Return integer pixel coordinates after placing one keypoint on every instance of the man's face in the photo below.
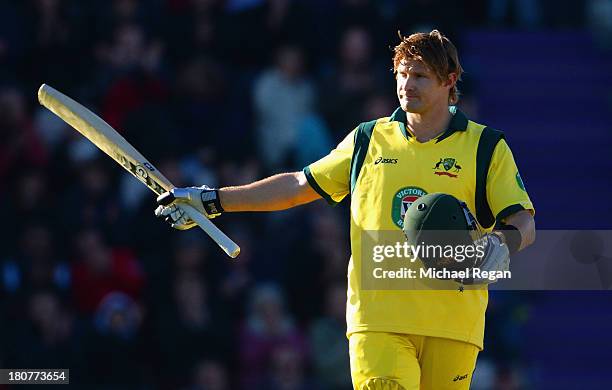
(418, 88)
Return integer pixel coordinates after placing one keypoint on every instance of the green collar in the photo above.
(459, 122)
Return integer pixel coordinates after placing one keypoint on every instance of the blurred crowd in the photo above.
(215, 92)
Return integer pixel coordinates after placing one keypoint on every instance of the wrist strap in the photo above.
(211, 202)
(513, 237)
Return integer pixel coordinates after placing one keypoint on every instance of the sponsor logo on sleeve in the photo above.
(519, 181)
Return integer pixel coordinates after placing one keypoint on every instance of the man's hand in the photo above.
(203, 199)
(496, 257)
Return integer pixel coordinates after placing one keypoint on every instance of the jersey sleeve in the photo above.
(329, 176)
(506, 193)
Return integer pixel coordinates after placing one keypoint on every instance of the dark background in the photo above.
(226, 92)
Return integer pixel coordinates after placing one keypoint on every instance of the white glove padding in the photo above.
(204, 199)
(496, 257)
(175, 216)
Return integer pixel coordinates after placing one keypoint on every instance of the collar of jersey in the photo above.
(459, 122)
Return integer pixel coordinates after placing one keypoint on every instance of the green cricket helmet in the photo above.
(436, 221)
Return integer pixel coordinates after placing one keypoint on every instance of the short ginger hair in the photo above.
(436, 52)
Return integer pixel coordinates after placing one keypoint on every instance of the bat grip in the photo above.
(226, 243)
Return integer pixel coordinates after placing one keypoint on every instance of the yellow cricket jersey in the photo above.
(385, 169)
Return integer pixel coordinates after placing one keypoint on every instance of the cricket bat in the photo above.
(113, 144)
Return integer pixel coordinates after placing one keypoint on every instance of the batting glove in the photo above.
(496, 257)
(204, 199)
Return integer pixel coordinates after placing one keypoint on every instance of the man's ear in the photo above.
(451, 80)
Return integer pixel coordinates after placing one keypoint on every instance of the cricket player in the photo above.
(403, 339)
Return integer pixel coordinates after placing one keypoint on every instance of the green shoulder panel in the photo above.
(363, 135)
(315, 186)
(486, 146)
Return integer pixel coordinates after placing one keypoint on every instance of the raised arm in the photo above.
(327, 176)
(278, 192)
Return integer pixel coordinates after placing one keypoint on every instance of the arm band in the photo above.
(211, 202)
(513, 237)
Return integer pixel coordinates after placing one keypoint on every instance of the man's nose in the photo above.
(407, 84)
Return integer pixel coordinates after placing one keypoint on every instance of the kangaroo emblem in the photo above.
(444, 165)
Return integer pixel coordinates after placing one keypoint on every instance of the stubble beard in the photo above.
(413, 107)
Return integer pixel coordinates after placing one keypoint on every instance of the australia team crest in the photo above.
(447, 167)
(402, 200)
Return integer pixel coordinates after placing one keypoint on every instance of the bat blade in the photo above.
(104, 137)
(114, 145)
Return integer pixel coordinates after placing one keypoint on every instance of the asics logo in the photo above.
(381, 160)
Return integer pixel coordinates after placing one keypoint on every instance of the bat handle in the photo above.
(226, 243)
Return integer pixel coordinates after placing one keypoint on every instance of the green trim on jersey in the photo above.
(515, 208)
(458, 122)
(399, 116)
(315, 186)
(486, 145)
(363, 135)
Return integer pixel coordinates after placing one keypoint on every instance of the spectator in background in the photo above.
(52, 36)
(267, 327)
(316, 262)
(117, 353)
(129, 66)
(424, 15)
(270, 23)
(209, 375)
(526, 13)
(283, 98)
(94, 201)
(357, 12)
(189, 257)
(187, 331)
(35, 265)
(599, 16)
(330, 241)
(378, 105)
(126, 10)
(46, 337)
(237, 278)
(13, 40)
(194, 26)
(50, 129)
(100, 269)
(286, 371)
(30, 198)
(200, 106)
(328, 341)
(113, 13)
(20, 145)
(314, 139)
(287, 20)
(346, 89)
(118, 315)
